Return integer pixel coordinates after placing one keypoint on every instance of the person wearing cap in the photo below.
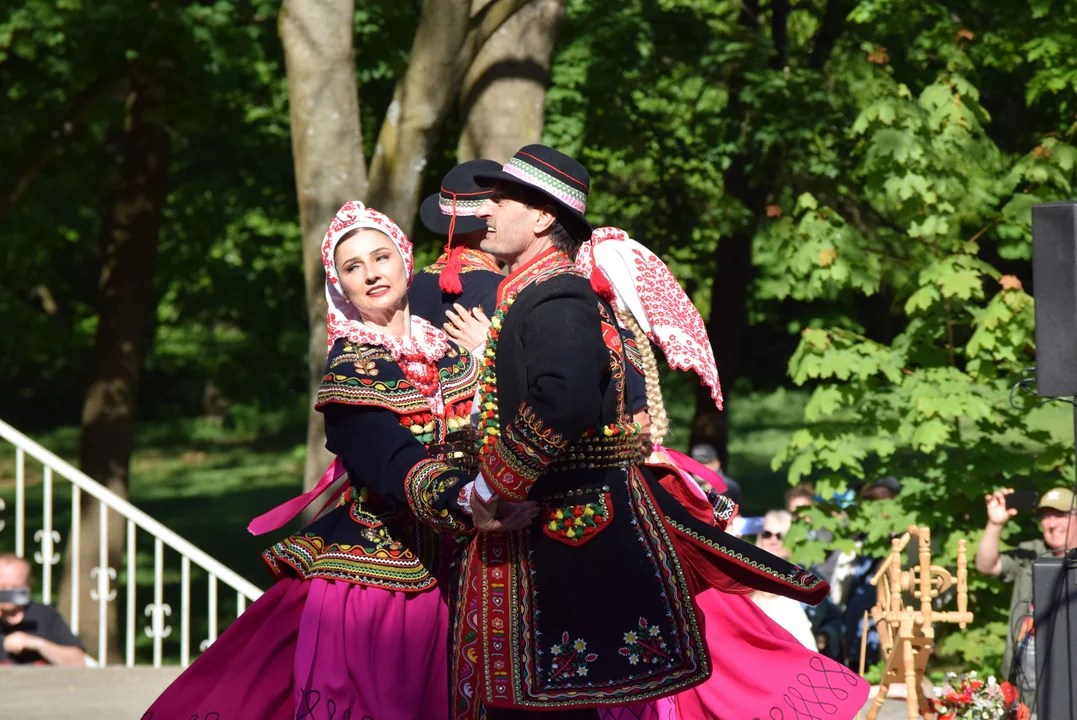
(463, 275)
(591, 607)
(1057, 517)
(31, 633)
(707, 454)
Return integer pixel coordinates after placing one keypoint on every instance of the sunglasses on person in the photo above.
(767, 535)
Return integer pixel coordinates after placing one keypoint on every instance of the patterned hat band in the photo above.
(463, 208)
(531, 175)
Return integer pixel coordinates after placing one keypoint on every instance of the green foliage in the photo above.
(939, 210)
(230, 313)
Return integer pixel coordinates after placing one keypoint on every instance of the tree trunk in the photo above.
(448, 39)
(327, 148)
(126, 303)
(728, 322)
(503, 95)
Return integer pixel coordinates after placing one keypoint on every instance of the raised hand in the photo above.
(467, 328)
(997, 512)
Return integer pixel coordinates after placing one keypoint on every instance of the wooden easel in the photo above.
(907, 633)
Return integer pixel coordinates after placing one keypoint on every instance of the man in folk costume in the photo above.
(464, 275)
(591, 607)
(760, 670)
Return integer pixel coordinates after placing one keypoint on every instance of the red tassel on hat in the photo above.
(450, 274)
(602, 285)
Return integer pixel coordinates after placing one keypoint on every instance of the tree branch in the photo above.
(829, 30)
(43, 151)
(446, 43)
(483, 25)
(779, 33)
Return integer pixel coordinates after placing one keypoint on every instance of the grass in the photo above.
(206, 483)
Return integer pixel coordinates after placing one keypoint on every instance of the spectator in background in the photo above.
(851, 581)
(33, 634)
(797, 497)
(707, 454)
(1058, 522)
(786, 612)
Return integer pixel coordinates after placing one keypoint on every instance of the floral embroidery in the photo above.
(570, 659)
(645, 645)
(576, 524)
(672, 321)
(365, 367)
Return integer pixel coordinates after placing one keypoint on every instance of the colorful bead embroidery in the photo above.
(645, 645)
(569, 659)
(579, 523)
(503, 467)
(424, 484)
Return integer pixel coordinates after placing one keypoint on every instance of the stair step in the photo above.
(53, 693)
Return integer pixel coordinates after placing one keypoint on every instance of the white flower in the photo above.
(633, 659)
(630, 637)
(582, 671)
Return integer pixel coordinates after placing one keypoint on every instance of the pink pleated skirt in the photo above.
(321, 650)
(762, 671)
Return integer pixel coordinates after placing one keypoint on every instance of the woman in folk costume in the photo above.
(760, 670)
(356, 624)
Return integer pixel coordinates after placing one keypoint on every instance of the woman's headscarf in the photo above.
(625, 272)
(343, 318)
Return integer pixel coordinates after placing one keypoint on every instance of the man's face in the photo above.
(13, 576)
(511, 226)
(1059, 529)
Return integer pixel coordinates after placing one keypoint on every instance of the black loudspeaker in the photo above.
(1054, 597)
(1054, 273)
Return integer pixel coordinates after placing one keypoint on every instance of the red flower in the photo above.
(958, 698)
(947, 716)
(974, 685)
(1022, 712)
(1009, 693)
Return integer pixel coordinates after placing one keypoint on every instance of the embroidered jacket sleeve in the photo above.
(385, 457)
(565, 360)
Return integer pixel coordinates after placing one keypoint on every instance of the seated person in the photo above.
(33, 634)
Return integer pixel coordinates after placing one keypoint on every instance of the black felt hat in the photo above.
(557, 176)
(458, 199)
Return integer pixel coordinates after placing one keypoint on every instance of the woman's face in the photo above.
(372, 275)
(771, 539)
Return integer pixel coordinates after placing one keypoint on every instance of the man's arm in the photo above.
(54, 653)
(988, 554)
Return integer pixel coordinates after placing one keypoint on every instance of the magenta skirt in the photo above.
(318, 650)
(762, 671)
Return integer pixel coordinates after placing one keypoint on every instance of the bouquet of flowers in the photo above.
(967, 697)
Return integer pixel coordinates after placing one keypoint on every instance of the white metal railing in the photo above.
(104, 578)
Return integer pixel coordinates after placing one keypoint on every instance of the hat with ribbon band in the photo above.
(451, 211)
(557, 176)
